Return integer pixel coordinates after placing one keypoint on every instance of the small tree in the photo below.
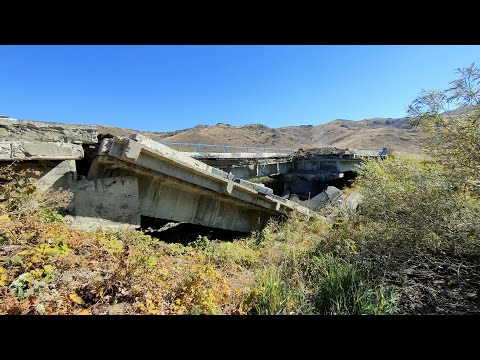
(450, 120)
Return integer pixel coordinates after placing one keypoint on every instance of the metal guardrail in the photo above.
(212, 148)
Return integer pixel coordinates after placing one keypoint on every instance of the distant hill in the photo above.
(373, 133)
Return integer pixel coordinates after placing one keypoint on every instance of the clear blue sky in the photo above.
(164, 88)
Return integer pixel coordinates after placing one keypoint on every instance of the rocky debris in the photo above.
(323, 151)
(332, 192)
(317, 201)
(32, 131)
(331, 195)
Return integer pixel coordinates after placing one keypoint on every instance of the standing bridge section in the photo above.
(317, 164)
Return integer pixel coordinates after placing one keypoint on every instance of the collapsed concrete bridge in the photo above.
(176, 187)
(301, 172)
(118, 180)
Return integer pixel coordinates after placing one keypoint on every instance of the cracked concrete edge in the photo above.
(28, 130)
(37, 150)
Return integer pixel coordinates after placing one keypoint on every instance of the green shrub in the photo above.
(227, 253)
(412, 205)
(274, 295)
(340, 288)
(50, 215)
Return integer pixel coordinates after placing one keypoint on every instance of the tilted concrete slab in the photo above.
(26, 130)
(24, 150)
(176, 187)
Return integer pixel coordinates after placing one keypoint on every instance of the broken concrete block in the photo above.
(333, 192)
(113, 199)
(63, 176)
(317, 201)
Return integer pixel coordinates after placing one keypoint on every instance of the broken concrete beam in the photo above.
(175, 187)
(115, 200)
(24, 150)
(31, 131)
(317, 201)
(130, 149)
(177, 156)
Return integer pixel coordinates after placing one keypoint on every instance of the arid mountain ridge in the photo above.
(373, 134)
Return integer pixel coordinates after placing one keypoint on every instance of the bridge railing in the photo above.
(212, 148)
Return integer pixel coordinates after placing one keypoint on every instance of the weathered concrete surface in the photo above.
(31, 131)
(109, 202)
(260, 188)
(166, 197)
(130, 151)
(25, 150)
(173, 186)
(331, 193)
(63, 175)
(316, 202)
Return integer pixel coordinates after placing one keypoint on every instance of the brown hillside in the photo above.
(364, 134)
